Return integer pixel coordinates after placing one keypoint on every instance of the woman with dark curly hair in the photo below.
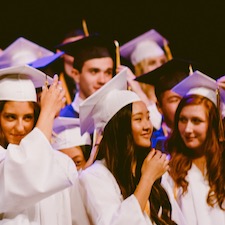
(196, 178)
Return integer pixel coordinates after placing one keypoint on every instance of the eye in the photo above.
(163, 61)
(28, 117)
(137, 118)
(196, 120)
(78, 163)
(183, 120)
(94, 71)
(109, 72)
(9, 117)
(152, 62)
(174, 99)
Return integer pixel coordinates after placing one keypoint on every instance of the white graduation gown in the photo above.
(34, 181)
(193, 204)
(103, 200)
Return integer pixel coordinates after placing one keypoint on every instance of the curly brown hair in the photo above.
(213, 150)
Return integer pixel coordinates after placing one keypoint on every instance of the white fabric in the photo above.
(103, 200)
(22, 51)
(193, 204)
(110, 104)
(17, 88)
(206, 92)
(155, 116)
(146, 49)
(70, 137)
(76, 102)
(34, 183)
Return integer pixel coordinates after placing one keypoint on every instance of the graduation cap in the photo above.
(22, 51)
(100, 107)
(166, 76)
(90, 47)
(50, 65)
(18, 83)
(199, 84)
(149, 44)
(68, 133)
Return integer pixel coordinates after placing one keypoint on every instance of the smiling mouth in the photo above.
(18, 135)
(147, 135)
(189, 138)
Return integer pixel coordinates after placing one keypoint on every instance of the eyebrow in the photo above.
(141, 113)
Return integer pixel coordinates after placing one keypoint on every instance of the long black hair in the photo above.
(120, 152)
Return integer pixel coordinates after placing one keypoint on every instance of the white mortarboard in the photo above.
(22, 51)
(199, 84)
(18, 83)
(68, 133)
(147, 45)
(100, 107)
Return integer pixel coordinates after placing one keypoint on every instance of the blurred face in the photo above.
(76, 154)
(168, 106)
(95, 73)
(193, 126)
(141, 125)
(154, 62)
(17, 120)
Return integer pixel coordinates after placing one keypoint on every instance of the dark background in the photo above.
(195, 29)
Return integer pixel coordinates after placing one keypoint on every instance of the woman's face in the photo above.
(141, 125)
(154, 62)
(17, 120)
(193, 126)
(76, 154)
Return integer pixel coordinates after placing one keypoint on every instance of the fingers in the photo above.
(221, 82)
(151, 154)
(161, 158)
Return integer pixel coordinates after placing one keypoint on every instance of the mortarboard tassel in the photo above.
(190, 70)
(117, 53)
(221, 129)
(84, 24)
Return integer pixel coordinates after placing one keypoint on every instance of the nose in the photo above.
(102, 78)
(148, 125)
(19, 125)
(189, 127)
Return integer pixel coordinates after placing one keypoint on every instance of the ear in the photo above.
(159, 107)
(76, 75)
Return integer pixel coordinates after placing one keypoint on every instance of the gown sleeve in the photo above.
(104, 202)
(32, 171)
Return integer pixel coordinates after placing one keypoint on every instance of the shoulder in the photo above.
(97, 173)
(97, 169)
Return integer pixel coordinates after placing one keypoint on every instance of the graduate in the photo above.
(34, 178)
(67, 138)
(164, 79)
(146, 53)
(93, 66)
(22, 51)
(196, 178)
(122, 186)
